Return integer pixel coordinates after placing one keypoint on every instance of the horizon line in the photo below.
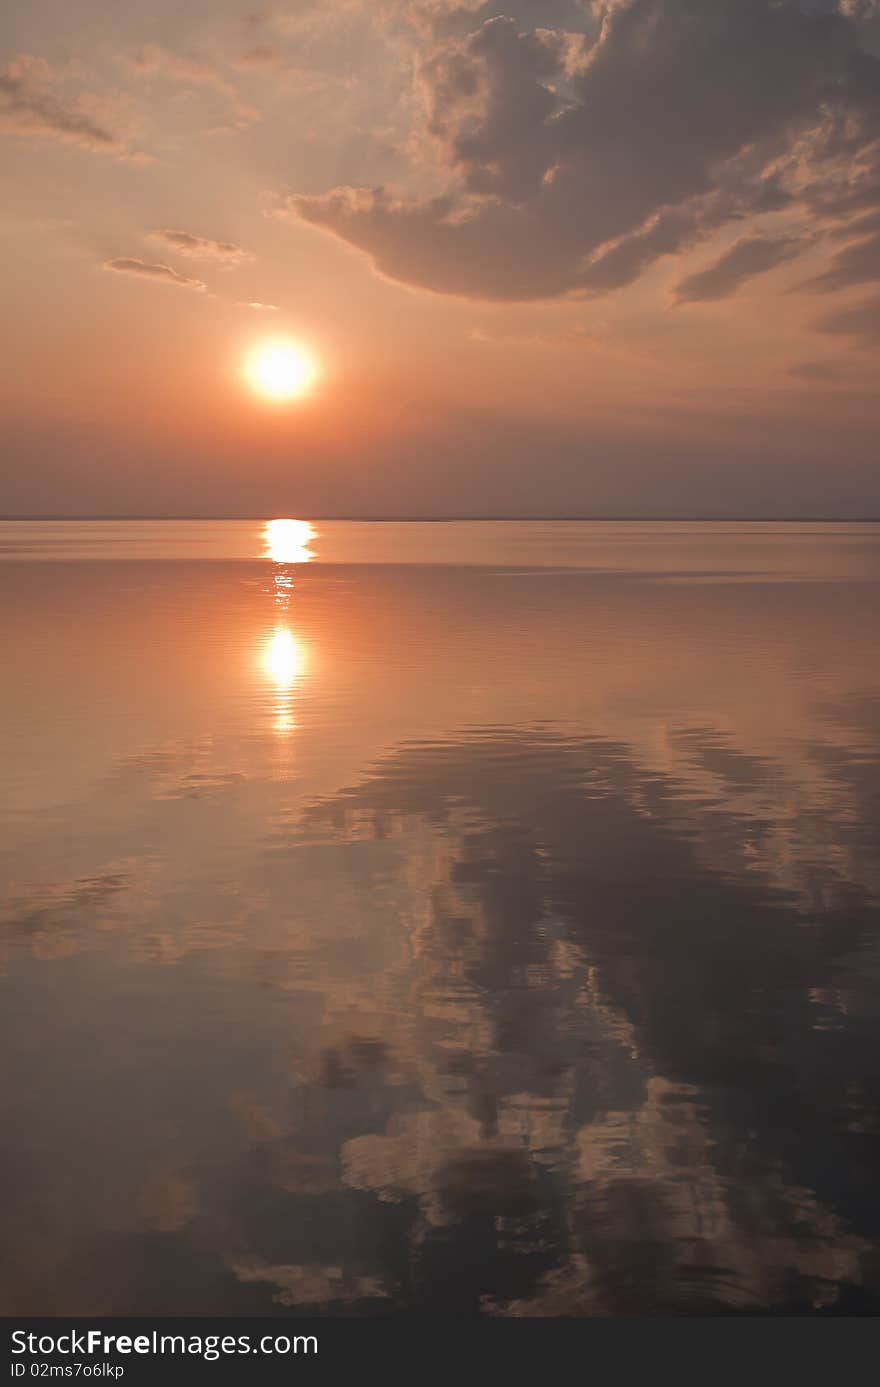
(472, 519)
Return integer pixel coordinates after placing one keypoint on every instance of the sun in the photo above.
(280, 369)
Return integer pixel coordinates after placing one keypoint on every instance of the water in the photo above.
(460, 917)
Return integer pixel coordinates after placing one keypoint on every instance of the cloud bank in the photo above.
(570, 161)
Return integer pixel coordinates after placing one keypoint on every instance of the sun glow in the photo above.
(280, 370)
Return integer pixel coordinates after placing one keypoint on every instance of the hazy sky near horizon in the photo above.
(574, 257)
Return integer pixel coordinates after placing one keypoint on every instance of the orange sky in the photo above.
(557, 257)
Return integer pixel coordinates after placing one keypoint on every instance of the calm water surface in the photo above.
(453, 917)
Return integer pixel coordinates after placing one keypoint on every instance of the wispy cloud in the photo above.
(860, 321)
(32, 104)
(193, 71)
(261, 55)
(747, 257)
(201, 247)
(162, 274)
(858, 263)
(814, 372)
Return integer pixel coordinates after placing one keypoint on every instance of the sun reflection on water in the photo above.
(283, 658)
(283, 661)
(285, 543)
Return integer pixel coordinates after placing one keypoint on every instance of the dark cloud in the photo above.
(571, 161)
(677, 229)
(30, 105)
(201, 247)
(163, 273)
(860, 320)
(860, 226)
(488, 1181)
(628, 258)
(747, 257)
(812, 371)
(859, 263)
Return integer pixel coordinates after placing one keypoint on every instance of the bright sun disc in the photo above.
(280, 370)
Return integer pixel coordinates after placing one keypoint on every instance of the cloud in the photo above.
(443, 17)
(859, 226)
(163, 274)
(812, 371)
(260, 55)
(193, 71)
(201, 247)
(31, 105)
(864, 10)
(569, 161)
(677, 229)
(312, 1284)
(860, 320)
(747, 257)
(260, 307)
(857, 264)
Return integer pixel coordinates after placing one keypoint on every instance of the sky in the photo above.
(548, 257)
